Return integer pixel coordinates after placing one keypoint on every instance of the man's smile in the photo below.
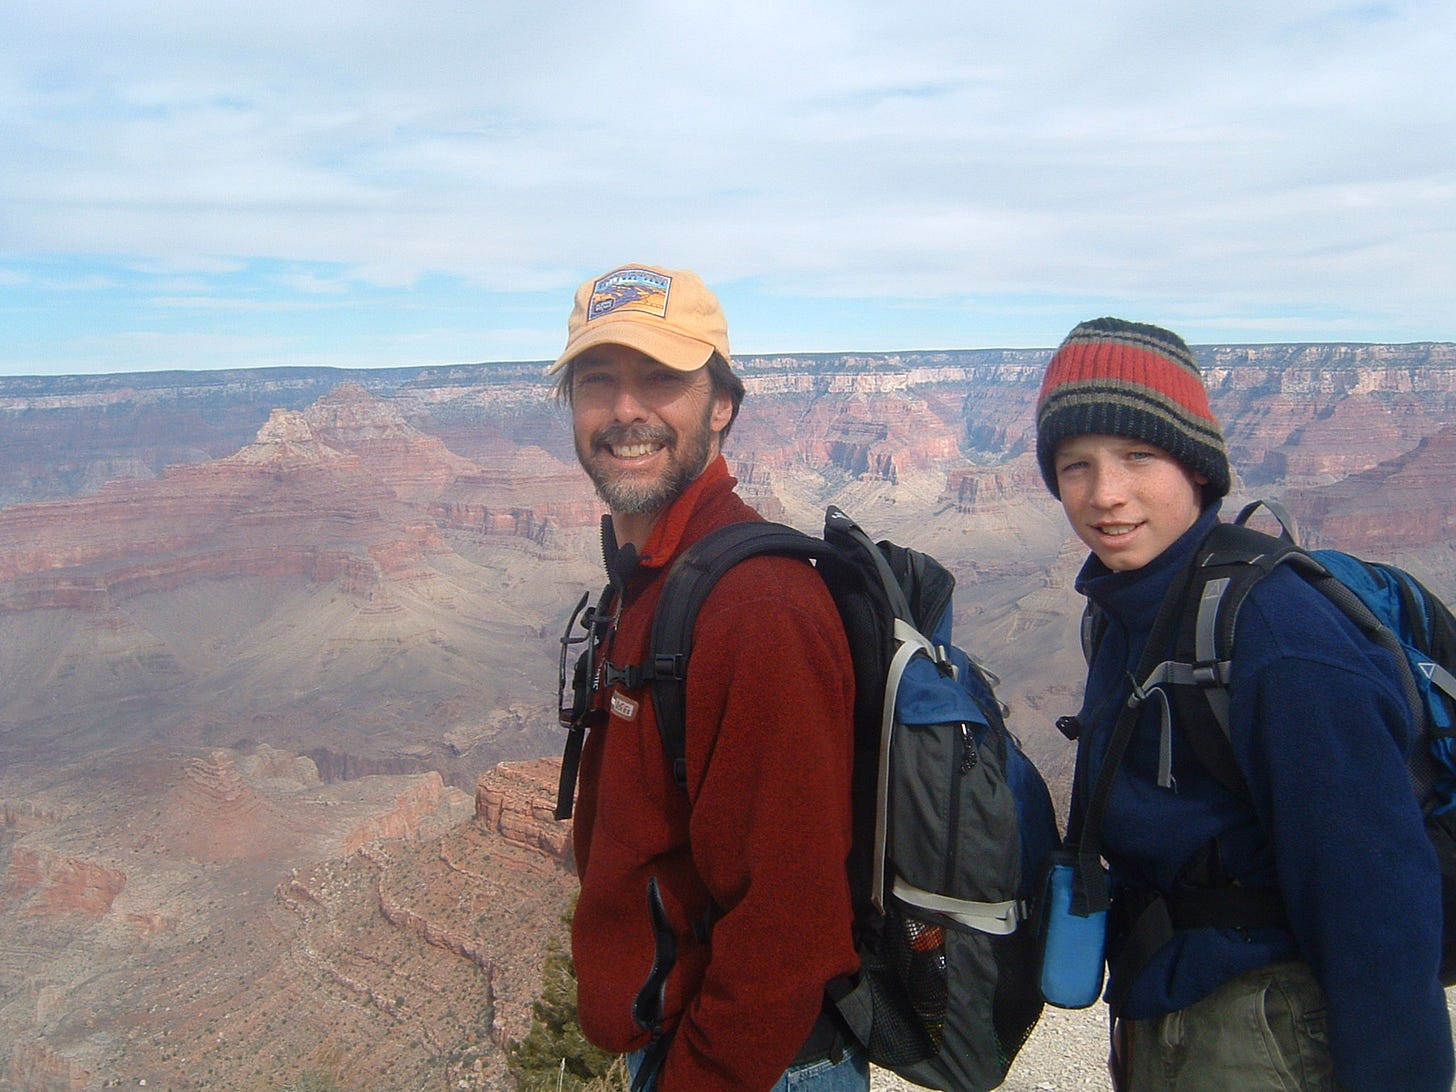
(633, 450)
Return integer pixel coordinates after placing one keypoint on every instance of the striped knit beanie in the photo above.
(1111, 377)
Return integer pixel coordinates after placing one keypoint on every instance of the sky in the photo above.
(368, 184)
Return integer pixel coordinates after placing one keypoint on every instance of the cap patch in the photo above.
(630, 290)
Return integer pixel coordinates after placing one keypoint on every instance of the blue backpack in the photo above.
(1392, 607)
(951, 820)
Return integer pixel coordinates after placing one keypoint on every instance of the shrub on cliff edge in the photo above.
(554, 1053)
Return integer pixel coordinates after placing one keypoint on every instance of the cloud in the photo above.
(1227, 158)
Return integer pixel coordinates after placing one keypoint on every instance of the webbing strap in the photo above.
(1205, 634)
(570, 765)
(1165, 742)
(1212, 678)
(1152, 929)
(911, 643)
(997, 918)
(1288, 526)
(1208, 671)
(1177, 673)
(1440, 678)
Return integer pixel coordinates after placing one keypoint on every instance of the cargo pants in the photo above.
(1264, 1031)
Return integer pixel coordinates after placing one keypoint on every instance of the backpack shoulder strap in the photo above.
(1093, 626)
(1232, 560)
(1228, 564)
(1090, 890)
(692, 576)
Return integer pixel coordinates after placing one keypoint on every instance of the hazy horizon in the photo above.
(158, 373)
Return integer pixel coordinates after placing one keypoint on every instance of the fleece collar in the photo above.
(665, 541)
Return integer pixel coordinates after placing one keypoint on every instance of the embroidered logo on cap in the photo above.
(630, 290)
(624, 707)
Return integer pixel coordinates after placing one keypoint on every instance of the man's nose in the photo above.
(629, 402)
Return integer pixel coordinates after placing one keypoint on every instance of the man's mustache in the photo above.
(617, 435)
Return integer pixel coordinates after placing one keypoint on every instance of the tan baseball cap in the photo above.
(669, 314)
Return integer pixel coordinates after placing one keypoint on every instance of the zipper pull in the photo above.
(970, 758)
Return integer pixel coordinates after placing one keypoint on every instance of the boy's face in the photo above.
(1126, 499)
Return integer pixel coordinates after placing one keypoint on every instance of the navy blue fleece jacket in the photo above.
(1320, 730)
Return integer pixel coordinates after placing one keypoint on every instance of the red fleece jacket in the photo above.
(758, 843)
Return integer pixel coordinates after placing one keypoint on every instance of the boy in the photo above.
(1343, 990)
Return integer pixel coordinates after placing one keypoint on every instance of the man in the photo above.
(752, 854)
(1341, 988)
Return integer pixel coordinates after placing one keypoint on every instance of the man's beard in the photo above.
(687, 457)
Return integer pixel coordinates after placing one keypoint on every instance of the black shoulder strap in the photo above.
(1090, 893)
(1229, 562)
(1094, 625)
(1235, 558)
(1232, 559)
(692, 576)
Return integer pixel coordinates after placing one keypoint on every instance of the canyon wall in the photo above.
(282, 647)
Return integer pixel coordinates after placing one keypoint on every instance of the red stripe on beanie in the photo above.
(1090, 362)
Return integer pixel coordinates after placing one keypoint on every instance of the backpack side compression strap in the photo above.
(692, 576)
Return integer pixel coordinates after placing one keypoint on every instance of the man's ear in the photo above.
(722, 413)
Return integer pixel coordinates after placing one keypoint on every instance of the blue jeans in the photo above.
(850, 1074)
